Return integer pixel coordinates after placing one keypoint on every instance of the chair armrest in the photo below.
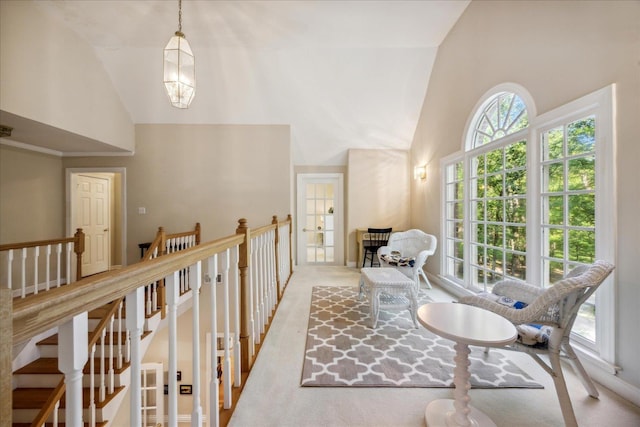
(515, 316)
(516, 290)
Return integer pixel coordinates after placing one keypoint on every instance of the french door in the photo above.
(320, 230)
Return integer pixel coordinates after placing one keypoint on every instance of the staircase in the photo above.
(38, 381)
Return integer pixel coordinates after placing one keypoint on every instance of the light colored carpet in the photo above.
(273, 397)
(344, 351)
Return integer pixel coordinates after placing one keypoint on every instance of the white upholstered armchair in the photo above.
(407, 251)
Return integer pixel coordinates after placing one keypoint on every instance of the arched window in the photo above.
(531, 197)
(502, 115)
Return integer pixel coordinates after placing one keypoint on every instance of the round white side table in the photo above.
(465, 325)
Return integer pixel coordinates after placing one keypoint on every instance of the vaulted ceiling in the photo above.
(342, 74)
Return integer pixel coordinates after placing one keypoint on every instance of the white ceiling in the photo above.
(343, 74)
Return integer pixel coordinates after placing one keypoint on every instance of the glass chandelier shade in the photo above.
(179, 68)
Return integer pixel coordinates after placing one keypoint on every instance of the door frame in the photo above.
(69, 208)
(339, 248)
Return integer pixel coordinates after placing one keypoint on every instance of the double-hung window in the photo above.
(531, 197)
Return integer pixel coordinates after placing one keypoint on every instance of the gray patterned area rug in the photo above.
(344, 351)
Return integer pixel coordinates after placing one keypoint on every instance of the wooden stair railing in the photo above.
(53, 403)
(75, 243)
(271, 263)
(164, 244)
(155, 302)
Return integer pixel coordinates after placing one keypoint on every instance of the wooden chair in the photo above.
(556, 307)
(374, 239)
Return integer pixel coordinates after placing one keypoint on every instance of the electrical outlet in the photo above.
(219, 278)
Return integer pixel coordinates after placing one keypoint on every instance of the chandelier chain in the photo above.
(180, 15)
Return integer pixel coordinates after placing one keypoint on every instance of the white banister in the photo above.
(172, 283)
(135, 322)
(111, 372)
(252, 331)
(72, 356)
(196, 280)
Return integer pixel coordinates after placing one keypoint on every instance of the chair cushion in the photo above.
(531, 334)
(398, 260)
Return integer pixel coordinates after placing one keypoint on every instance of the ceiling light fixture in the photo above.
(179, 68)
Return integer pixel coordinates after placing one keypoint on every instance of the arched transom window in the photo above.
(502, 115)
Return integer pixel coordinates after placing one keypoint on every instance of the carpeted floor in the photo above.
(343, 351)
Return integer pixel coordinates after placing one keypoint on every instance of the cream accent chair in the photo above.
(410, 244)
(557, 307)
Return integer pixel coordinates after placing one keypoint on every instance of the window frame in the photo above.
(601, 104)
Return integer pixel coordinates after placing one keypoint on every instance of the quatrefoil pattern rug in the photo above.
(344, 351)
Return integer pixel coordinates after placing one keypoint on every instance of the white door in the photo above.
(92, 201)
(320, 219)
(152, 385)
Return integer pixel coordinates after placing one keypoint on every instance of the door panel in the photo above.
(92, 197)
(320, 219)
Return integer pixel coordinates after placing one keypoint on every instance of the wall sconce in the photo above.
(420, 172)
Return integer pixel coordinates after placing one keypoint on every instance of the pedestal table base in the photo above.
(440, 413)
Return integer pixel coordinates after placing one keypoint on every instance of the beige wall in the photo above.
(558, 51)
(378, 187)
(52, 76)
(212, 174)
(31, 196)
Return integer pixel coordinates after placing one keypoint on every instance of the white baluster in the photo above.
(112, 337)
(196, 415)
(251, 345)
(172, 288)
(135, 321)
(56, 409)
(69, 258)
(36, 255)
(103, 364)
(92, 385)
(10, 269)
(214, 386)
(120, 305)
(226, 359)
(48, 266)
(58, 269)
(256, 289)
(72, 356)
(235, 283)
(23, 282)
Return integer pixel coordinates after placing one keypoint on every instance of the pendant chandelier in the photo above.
(179, 68)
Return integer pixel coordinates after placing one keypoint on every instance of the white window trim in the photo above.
(602, 104)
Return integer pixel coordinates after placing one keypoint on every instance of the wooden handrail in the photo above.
(41, 312)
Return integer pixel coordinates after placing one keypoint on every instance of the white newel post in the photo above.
(196, 282)
(73, 353)
(172, 284)
(135, 323)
